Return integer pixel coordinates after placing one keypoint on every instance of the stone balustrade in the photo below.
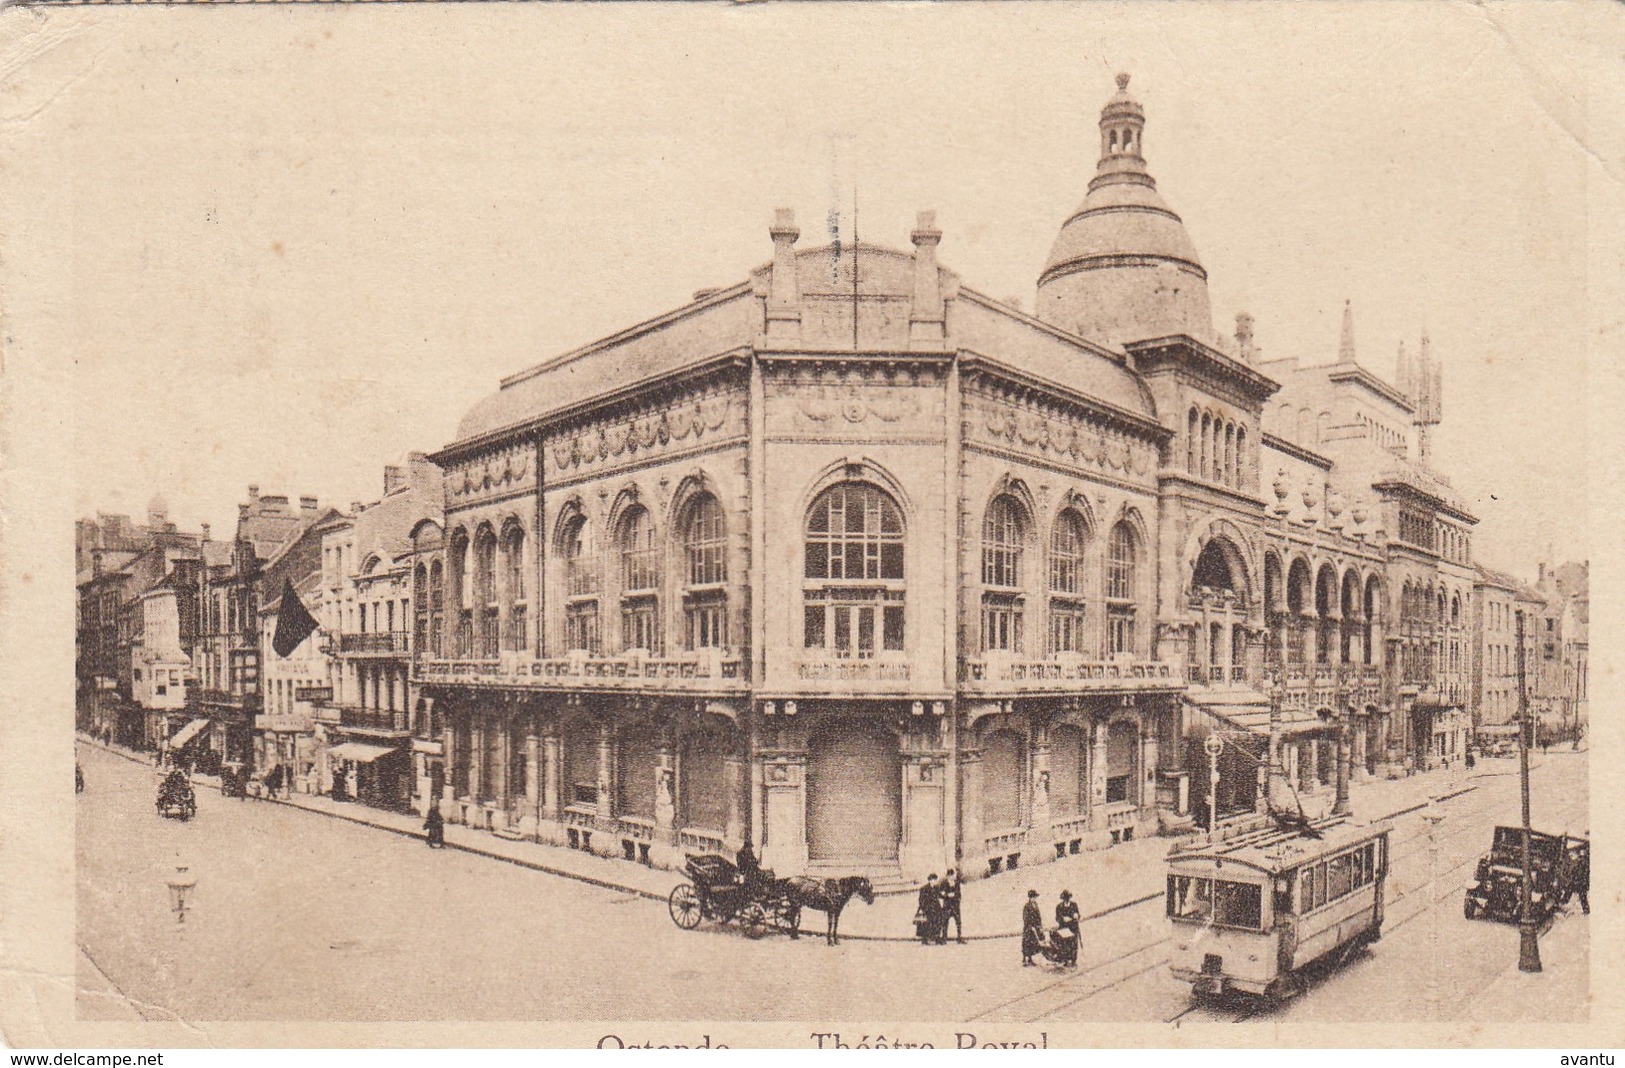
(702, 672)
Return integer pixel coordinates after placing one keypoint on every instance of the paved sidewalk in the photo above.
(1102, 882)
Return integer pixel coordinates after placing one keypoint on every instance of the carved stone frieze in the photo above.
(492, 474)
(648, 431)
(1024, 422)
(845, 399)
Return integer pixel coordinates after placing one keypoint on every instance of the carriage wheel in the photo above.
(753, 920)
(787, 916)
(684, 905)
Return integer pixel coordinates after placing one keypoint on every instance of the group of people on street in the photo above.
(939, 903)
(1061, 946)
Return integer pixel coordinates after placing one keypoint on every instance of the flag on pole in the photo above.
(294, 623)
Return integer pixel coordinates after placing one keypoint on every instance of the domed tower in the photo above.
(1123, 268)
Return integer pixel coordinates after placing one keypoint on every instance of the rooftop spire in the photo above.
(1345, 343)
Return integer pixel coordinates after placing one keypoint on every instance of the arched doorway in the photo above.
(702, 773)
(1218, 597)
(854, 792)
(1004, 770)
(636, 771)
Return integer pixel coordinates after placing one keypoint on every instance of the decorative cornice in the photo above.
(1348, 372)
(1113, 259)
(976, 363)
(1297, 452)
(1152, 352)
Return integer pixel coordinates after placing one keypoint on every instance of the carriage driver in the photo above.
(749, 869)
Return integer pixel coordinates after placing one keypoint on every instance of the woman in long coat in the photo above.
(1032, 930)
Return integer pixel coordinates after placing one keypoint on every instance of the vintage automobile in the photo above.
(175, 797)
(716, 892)
(1559, 865)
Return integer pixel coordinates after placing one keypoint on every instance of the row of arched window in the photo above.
(488, 590)
(1383, 435)
(1215, 448)
(1419, 604)
(631, 581)
(1321, 619)
(1068, 591)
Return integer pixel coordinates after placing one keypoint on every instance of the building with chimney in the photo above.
(368, 733)
(854, 562)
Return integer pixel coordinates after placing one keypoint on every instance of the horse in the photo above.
(828, 896)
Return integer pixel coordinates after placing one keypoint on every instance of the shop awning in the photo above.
(1253, 716)
(187, 733)
(360, 752)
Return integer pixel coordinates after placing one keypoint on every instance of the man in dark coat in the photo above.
(435, 824)
(951, 895)
(1069, 918)
(748, 866)
(1032, 930)
(928, 916)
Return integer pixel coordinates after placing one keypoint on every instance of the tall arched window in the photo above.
(485, 593)
(705, 602)
(1229, 477)
(462, 595)
(420, 610)
(513, 562)
(1004, 532)
(1241, 457)
(640, 577)
(1122, 566)
(853, 592)
(437, 605)
(1191, 430)
(1068, 543)
(1207, 446)
(581, 630)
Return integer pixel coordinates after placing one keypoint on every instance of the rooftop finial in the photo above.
(1345, 343)
(1122, 82)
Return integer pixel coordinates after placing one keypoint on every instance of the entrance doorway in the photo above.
(854, 792)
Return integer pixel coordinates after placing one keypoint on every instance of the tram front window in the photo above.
(1217, 901)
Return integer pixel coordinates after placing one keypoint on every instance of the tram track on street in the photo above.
(1467, 821)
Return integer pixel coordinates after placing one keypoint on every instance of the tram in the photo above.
(1249, 913)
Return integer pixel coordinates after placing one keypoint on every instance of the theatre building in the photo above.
(856, 562)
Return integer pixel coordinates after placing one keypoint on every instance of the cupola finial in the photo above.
(1122, 82)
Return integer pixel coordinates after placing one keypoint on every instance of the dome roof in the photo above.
(158, 506)
(1123, 268)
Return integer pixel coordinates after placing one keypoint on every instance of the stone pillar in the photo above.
(1148, 759)
(606, 771)
(552, 770)
(666, 786)
(736, 781)
(476, 755)
(448, 747)
(972, 844)
(504, 760)
(926, 318)
(1227, 652)
(1097, 776)
(533, 778)
(784, 296)
(1038, 815)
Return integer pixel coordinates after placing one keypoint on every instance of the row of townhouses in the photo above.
(853, 561)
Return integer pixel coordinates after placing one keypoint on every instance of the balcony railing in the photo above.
(1039, 675)
(373, 719)
(393, 642)
(702, 671)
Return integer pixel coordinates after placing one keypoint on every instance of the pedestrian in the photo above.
(746, 864)
(1582, 881)
(951, 895)
(1032, 930)
(1069, 918)
(435, 824)
(928, 914)
(78, 778)
(338, 784)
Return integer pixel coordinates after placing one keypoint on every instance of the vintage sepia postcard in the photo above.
(809, 526)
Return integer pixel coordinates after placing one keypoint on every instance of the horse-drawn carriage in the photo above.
(1560, 865)
(175, 797)
(718, 892)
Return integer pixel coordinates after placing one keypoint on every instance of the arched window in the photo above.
(462, 595)
(1122, 566)
(1229, 454)
(485, 593)
(420, 609)
(1068, 543)
(1241, 457)
(1207, 446)
(640, 577)
(853, 593)
(581, 631)
(705, 603)
(1191, 430)
(1004, 533)
(513, 561)
(437, 605)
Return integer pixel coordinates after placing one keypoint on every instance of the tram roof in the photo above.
(1276, 849)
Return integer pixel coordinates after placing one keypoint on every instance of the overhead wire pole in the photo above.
(1528, 936)
(854, 266)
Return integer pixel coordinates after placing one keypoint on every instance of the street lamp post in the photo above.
(180, 889)
(1528, 936)
(1433, 816)
(1213, 746)
(1341, 806)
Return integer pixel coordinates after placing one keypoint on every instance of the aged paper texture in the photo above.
(809, 526)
